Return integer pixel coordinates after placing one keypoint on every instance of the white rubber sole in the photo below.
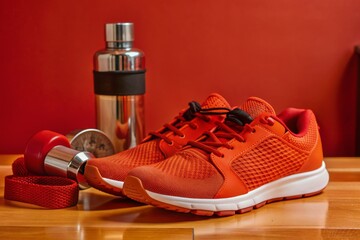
(301, 184)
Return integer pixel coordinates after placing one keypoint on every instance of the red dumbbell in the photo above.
(49, 153)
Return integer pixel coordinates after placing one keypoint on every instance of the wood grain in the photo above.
(334, 214)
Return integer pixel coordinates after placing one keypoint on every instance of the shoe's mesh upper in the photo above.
(270, 160)
(143, 154)
(187, 164)
(117, 166)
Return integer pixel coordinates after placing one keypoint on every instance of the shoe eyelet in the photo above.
(270, 121)
(182, 136)
(171, 143)
(253, 131)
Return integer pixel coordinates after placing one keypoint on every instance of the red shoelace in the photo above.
(226, 131)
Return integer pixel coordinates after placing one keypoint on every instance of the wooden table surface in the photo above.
(334, 214)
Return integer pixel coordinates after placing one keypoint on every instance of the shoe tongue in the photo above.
(255, 106)
(215, 100)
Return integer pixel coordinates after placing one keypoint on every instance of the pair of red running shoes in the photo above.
(216, 159)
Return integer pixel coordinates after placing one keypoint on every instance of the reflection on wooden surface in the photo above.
(334, 214)
(94, 233)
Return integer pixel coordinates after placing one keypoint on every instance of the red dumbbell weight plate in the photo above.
(39, 146)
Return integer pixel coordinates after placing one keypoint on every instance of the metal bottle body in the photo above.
(119, 75)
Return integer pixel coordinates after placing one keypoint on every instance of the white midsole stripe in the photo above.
(297, 184)
(114, 183)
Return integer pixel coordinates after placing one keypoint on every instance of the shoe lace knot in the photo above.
(194, 111)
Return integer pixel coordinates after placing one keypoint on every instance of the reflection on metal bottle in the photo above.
(121, 118)
(119, 83)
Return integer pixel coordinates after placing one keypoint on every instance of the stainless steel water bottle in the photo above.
(119, 84)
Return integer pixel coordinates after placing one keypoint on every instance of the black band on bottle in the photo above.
(119, 83)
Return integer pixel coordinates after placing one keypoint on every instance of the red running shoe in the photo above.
(107, 174)
(254, 157)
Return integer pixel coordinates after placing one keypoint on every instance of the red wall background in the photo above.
(291, 53)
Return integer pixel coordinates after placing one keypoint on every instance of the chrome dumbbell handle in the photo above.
(67, 162)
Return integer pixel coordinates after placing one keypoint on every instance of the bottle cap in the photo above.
(119, 32)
